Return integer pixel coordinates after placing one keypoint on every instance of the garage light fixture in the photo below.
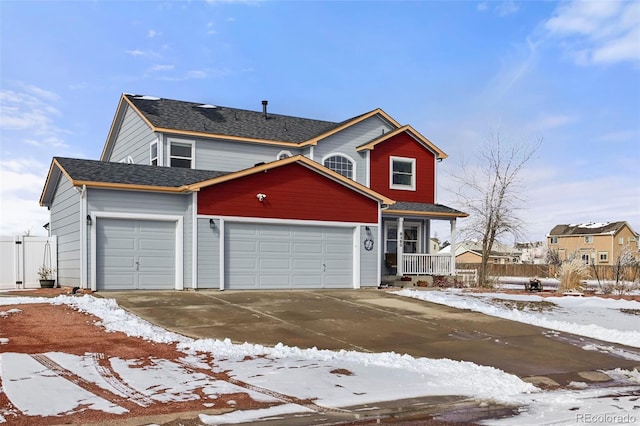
(261, 196)
(212, 224)
(89, 221)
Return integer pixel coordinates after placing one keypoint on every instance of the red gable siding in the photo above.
(403, 145)
(293, 192)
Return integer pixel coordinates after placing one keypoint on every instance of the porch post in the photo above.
(400, 248)
(453, 246)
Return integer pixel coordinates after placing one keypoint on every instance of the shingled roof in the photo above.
(91, 171)
(587, 229)
(219, 120)
(425, 209)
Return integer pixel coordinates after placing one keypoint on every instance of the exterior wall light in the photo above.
(212, 224)
(261, 196)
(89, 221)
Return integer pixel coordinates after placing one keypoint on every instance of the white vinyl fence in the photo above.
(21, 257)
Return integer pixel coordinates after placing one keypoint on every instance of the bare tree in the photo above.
(490, 190)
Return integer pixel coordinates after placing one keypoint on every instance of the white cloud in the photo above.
(153, 33)
(549, 121)
(29, 110)
(482, 6)
(21, 182)
(162, 67)
(506, 8)
(135, 52)
(597, 32)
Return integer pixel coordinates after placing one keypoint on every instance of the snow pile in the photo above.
(594, 317)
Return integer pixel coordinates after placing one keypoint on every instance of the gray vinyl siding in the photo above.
(212, 154)
(348, 140)
(369, 259)
(65, 224)
(133, 140)
(208, 254)
(104, 200)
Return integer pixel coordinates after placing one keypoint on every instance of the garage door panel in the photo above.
(287, 256)
(282, 247)
(307, 248)
(135, 254)
(281, 264)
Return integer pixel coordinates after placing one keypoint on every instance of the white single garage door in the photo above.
(270, 256)
(135, 254)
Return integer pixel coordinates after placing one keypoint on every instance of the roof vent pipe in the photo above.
(264, 109)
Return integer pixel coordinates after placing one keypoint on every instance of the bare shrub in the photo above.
(571, 273)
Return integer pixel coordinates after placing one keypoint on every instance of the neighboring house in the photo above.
(189, 195)
(470, 251)
(532, 252)
(594, 243)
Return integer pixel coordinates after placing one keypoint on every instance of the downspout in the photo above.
(83, 237)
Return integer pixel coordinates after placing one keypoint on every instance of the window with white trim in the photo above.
(411, 237)
(153, 154)
(340, 164)
(402, 173)
(588, 239)
(181, 154)
(603, 256)
(585, 258)
(553, 240)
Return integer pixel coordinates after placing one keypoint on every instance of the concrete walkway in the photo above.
(375, 321)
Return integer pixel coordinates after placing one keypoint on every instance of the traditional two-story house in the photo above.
(594, 243)
(190, 195)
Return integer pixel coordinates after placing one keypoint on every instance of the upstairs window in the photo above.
(153, 154)
(181, 154)
(340, 164)
(588, 239)
(553, 240)
(403, 173)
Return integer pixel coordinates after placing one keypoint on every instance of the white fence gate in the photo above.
(22, 256)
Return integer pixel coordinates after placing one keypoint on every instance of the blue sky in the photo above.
(568, 72)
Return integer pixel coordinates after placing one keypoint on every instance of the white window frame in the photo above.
(157, 157)
(347, 157)
(284, 154)
(410, 187)
(588, 239)
(390, 224)
(603, 257)
(183, 142)
(553, 240)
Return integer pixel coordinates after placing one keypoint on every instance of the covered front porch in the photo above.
(408, 247)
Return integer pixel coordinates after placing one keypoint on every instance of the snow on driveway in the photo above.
(289, 375)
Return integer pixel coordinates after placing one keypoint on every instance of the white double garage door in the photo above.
(141, 254)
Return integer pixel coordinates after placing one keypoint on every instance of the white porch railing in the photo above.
(427, 264)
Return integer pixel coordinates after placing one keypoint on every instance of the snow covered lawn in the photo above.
(283, 379)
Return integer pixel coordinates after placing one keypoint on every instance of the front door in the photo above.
(412, 239)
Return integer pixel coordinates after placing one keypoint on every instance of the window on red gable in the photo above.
(403, 173)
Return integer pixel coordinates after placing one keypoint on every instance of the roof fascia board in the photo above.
(54, 172)
(377, 111)
(418, 213)
(118, 118)
(225, 137)
(130, 187)
(412, 132)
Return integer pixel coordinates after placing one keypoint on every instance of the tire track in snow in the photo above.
(88, 386)
(110, 376)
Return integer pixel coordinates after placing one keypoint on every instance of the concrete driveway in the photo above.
(374, 321)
